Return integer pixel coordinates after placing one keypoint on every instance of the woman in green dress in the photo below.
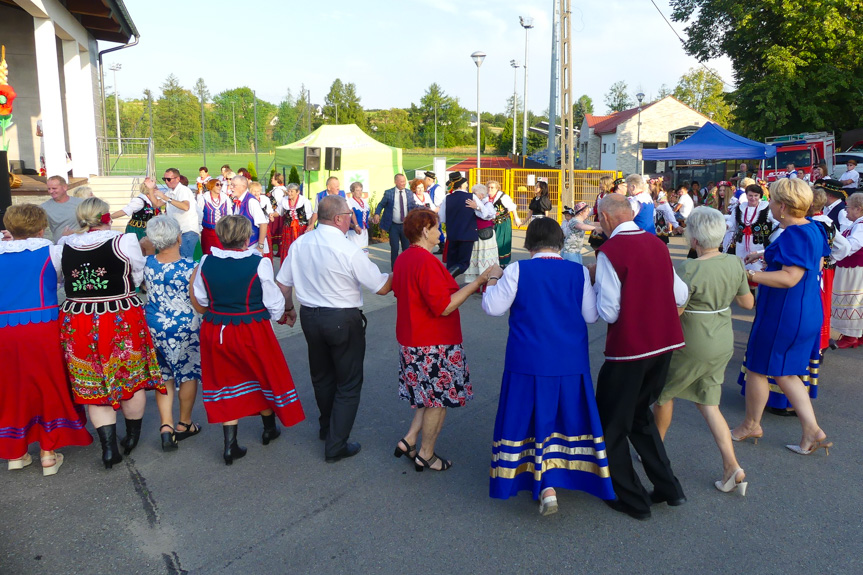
(141, 209)
(503, 206)
(696, 372)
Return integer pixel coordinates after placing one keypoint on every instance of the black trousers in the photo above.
(458, 256)
(625, 390)
(337, 347)
(397, 237)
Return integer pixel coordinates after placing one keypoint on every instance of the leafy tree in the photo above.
(177, 117)
(617, 98)
(342, 105)
(797, 64)
(392, 127)
(252, 171)
(582, 107)
(237, 106)
(504, 145)
(663, 92)
(289, 125)
(702, 91)
(452, 119)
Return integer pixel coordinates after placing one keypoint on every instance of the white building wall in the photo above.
(608, 152)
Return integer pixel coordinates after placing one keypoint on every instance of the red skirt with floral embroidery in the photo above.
(290, 233)
(110, 356)
(35, 400)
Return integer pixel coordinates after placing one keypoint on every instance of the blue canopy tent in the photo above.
(712, 142)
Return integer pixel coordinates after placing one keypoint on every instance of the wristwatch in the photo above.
(751, 274)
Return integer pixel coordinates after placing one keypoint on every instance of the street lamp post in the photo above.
(114, 68)
(638, 163)
(515, 66)
(478, 57)
(526, 23)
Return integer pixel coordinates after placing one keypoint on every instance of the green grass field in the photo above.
(188, 164)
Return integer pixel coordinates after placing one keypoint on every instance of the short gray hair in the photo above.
(706, 226)
(292, 186)
(480, 190)
(240, 180)
(855, 200)
(636, 180)
(330, 206)
(163, 231)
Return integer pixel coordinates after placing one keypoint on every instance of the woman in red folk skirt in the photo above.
(109, 353)
(295, 210)
(35, 399)
(243, 369)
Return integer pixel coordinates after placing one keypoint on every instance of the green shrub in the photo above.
(252, 171)
(294, 176)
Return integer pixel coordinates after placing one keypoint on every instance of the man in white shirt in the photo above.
(685, 202)
(180, 203)
(60, 209)
(851, 178)
(328, 271)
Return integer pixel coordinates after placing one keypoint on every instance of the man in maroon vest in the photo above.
(638, 294)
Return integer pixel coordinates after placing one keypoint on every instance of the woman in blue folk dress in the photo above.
(547, 433)
(174, 327)
(788, 316)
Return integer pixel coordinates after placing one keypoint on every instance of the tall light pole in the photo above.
(234, 126)
(114, 68)
(515, 66)
(478, 57)
(638, 164)
(435, 127)
(526, 23)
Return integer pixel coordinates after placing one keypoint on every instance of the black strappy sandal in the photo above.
(169, 438)
(191, 429)
(420, 463)
(399, 451)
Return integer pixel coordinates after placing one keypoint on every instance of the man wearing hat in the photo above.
(460, 220)
(437, 194)
(395, 205)
(851, 178)
(836, 195)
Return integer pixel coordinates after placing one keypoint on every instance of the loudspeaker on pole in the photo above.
(312, 159)
(333, 160)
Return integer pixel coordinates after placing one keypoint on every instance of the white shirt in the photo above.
(439, 194)
(505, 201)
(686, 205)
(668, 214)
(266, 205)
(188, 219)
(399, 217)
(484, 210)
(426, 201)
(302, 202)
(607, 286)
(279, 192)
(136, 203)
(638, 199)
(129, 247)
(852, 175)
(273, 299)
(853, 244)
(327, 270)
(34, 244)
(498, 298)
(257, 213)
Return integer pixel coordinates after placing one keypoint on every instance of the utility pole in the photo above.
(234, 124)
(255, 100)
(515, 66)
(435, 127)
(567, 147)
(551, 160)
(114, 68)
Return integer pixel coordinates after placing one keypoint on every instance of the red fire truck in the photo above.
(802, 150)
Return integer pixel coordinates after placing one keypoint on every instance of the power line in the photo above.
(682, 41)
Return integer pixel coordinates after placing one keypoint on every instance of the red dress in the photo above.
(108, 349)
(35, 399)
(243, 369)
(295, 221)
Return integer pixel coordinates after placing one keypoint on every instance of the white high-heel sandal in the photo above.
(52, 469)
(732, 484)
(20, 463)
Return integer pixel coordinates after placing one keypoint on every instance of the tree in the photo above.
(392, 127)
(294, 176)
(789, 79)
(582, 107)
(617, 98)
(177, 118)
(237, 107)
(342, 105)
(663, 92)
(288, 120)
(702, 91)
(452, 120)
(203, 94)
(505, 143)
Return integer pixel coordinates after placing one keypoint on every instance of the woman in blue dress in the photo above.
(788, 315)
(547, 433)
(174, 327)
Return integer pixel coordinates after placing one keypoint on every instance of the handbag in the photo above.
(485, 233)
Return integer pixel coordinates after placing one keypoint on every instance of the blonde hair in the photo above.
(819, 200)
(89, 212)
(745, 182)
(794, 194)
(605, 183)
(636, 180)
(25, 221)
(82, 192)
(234, 231)
(256, 188)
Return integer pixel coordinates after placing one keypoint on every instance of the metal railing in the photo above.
(519, 184)
(126, 157)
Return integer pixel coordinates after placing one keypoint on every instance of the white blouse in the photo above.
(129, 247)
(273, 299)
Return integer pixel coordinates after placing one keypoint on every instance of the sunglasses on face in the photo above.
(168, 179)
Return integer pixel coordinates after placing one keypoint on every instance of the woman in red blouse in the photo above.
(433, 372)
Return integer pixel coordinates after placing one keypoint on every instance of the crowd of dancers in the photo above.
(212, 292)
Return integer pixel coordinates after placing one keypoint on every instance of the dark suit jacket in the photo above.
(387, 205)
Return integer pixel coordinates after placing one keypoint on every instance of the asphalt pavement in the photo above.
(282, 509)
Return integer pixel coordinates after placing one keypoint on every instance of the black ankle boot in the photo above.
(271, 430)
(108, 439)
(133, 434)
(232, 450)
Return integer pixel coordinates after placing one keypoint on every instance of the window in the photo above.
(604, 148)
(613, 148)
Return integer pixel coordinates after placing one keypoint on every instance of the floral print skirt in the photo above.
(110, 356)
(434, 376)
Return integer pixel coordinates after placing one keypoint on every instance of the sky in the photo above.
(393, 50)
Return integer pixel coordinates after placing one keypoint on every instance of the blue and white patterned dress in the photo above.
(174, 325)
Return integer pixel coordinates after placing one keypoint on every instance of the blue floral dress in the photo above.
(174, 325)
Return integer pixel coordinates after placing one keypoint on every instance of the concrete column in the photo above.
(79, 111)
(50, 102)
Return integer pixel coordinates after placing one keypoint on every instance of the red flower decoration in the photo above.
(7, 96)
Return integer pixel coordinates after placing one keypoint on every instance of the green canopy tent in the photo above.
(363, 159)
